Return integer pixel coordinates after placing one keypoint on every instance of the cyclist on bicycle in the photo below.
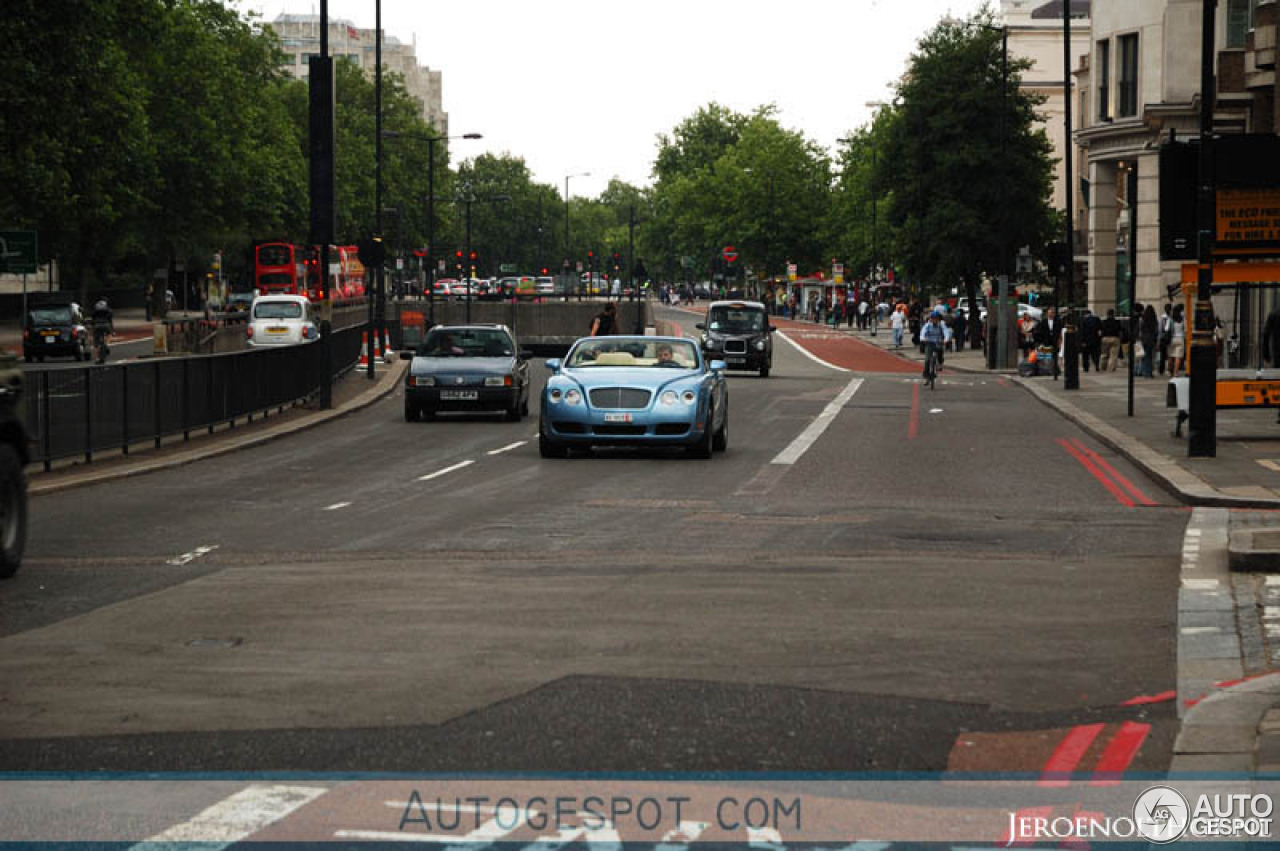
(933, 338)
(103, 326)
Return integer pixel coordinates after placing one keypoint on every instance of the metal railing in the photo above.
(91, 409)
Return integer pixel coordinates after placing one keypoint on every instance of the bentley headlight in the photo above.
(556, 395)
(690, 397)
(670, 397)
(573, 397)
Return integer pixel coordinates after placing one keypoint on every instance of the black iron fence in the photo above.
(77, 412)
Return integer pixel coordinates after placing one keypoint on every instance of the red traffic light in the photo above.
(544, 271)
(458, 254)
(590, 253)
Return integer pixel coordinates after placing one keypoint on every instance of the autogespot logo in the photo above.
(1161, 814)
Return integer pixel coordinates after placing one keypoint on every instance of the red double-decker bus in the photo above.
(279, 267)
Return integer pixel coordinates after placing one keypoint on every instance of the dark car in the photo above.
(739, 333)
(13, 458)
(467, 368)
(240, 302)
(55, 330)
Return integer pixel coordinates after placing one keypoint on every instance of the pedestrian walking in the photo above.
(1148, 334)
(1177, 339)
(1090, 340)
(958, 330)
(899, 323)
(1112, 331)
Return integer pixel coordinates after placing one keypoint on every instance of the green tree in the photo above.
(964, 195)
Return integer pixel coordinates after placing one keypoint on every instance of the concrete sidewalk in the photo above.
(1228, 689)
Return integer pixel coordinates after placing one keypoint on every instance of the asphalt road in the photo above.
(935, 582)
(122, 350)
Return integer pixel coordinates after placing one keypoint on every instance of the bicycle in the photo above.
(931, 365)
(100, 347)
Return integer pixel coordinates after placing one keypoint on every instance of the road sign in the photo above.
(791, 271)
(18, 251)
(729, 253)
(837, 273)
(507, 268)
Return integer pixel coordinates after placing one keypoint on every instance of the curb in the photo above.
(1184, 485)
(363, 400)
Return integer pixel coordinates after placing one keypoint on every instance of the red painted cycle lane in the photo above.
(835, 347)
(840, 349)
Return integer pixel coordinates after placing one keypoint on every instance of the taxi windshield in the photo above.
(642, 353)
(736, 320)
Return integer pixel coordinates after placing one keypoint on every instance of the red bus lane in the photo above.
(843, 350)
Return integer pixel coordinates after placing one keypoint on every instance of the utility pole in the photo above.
(1070, 347)
(1202, 430)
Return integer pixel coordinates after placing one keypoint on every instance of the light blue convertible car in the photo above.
(634, 391)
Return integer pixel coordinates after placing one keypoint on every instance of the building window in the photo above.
(1127, 84)
(1239, 21)
(1104, 81)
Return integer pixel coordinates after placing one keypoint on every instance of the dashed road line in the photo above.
(429, 476)
(187, 558)
(507, 448)
(336, 506)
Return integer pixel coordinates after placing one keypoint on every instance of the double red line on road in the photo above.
(1125, 492)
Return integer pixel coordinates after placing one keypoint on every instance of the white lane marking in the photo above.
(1200, 584)
(810, 435)
(810, 355)
(243, 814)
(336, 506)
(935, 410)
(1199, 630)
(429, 476)
(507, 448)
(187, 558)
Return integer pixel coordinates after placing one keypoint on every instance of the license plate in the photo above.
(459, 395)
(277, 329)
(617, 418)
(736, 360)
(51, 336)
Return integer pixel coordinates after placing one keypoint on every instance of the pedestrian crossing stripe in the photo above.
(1269, 464)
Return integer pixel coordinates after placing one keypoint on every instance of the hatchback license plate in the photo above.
(277, 329)
(459, 395)
(617, 418)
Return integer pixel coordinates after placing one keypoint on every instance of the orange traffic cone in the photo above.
(364, 350)
(387, 355)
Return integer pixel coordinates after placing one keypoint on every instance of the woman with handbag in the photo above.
(1148, 332)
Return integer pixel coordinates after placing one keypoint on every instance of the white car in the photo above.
(546, 286)
(281, 320)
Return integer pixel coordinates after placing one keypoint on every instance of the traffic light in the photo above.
(590, 254)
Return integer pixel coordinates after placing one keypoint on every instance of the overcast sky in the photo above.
(587, 85)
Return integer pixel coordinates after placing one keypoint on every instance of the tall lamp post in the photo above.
(995, 351)
(470, 198)
(566, 217)
(431, 209)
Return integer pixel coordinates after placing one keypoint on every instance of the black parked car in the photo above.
(55, 329)
(467, 368)
(739, 333)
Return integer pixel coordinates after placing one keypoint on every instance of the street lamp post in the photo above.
(431, 208)
(566, 220)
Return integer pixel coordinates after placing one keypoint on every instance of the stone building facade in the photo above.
(300, 37)
(1140, 83)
